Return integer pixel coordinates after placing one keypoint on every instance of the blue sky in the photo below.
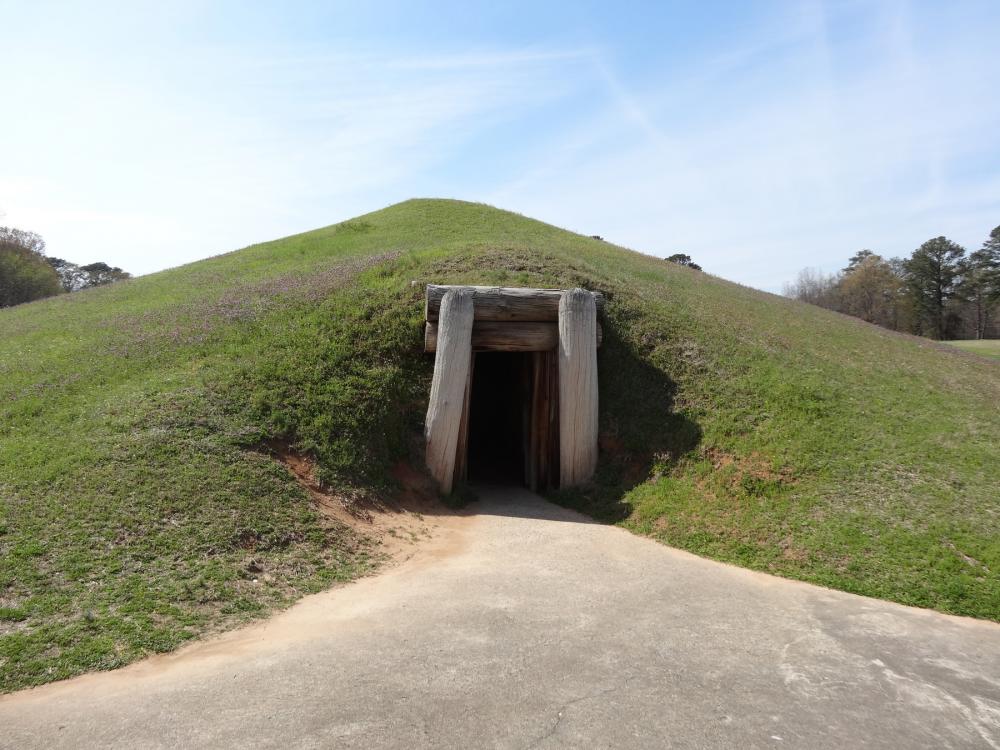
(759, 137)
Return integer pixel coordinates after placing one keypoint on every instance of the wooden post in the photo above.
(577, 387)
(449, 386)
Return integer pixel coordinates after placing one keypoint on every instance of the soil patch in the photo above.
(395, 525)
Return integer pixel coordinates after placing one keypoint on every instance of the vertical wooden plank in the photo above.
(546, 420)
(462, 449)
(524, 397)
(552, 425)
(448, 387)
(577, 387)
(535, 424)
(544, 447)
(524, 400)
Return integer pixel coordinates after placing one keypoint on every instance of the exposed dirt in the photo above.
(754, 465)
(396, 525)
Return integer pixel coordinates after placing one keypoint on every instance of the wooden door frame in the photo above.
(559, 329)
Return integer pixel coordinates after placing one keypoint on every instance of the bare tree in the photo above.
(869, 289)
(815, 287)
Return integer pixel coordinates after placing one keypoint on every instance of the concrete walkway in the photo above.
(524, 626)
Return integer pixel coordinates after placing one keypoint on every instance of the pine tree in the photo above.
(934, 271)
(981, 282)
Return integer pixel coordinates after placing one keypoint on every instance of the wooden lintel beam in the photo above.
(499, 336)
(505, 303)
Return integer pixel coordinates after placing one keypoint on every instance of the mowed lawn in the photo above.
(141, 505)
(984, 348)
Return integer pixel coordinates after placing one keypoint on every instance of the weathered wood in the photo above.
(462, 448)
(577, 387)
(505, 303)
(551, 474)
(524, 387)
(543, 448)
(533, 464)
(448, 386)
(498, 336)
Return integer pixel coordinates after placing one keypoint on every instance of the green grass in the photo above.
(984, 348)
(139, 508)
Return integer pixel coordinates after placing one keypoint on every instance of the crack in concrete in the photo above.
(561, 711)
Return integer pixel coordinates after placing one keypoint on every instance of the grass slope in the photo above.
(139, 507)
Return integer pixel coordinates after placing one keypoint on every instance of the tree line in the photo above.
(940, 291)
(683, 259)
(27, 274)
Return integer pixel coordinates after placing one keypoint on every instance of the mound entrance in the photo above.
(514, 393)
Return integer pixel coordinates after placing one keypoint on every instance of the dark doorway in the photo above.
(512, 431)
(498, 417)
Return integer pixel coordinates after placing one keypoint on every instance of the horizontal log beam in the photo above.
(505, 303)
(498, 336)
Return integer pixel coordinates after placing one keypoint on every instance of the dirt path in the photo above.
(526, 626)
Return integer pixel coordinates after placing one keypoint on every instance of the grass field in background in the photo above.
(140, 507)
(985, 348)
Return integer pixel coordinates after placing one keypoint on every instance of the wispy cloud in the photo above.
(812, 155)
(492, 59)
(790, 137)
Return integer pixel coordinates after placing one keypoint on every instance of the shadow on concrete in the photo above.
(515, 501)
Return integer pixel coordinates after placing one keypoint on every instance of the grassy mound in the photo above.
(140, 507)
